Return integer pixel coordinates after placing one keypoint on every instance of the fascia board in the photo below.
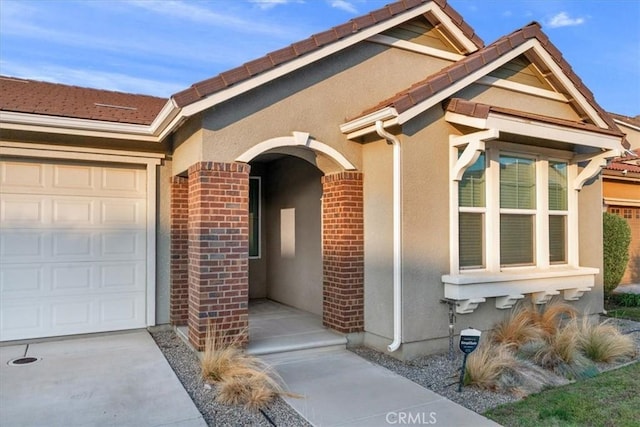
(528, 127)
(461, 119)
(73, 126)
(364, 121)
(80, 150)
(164, 117)
(627, 125)
(455, 31)
(307, 59)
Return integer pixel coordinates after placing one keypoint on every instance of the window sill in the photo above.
(469, 289)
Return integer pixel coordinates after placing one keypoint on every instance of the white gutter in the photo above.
(397, 236)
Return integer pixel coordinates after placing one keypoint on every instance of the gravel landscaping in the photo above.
(187, 368)
(436, 373)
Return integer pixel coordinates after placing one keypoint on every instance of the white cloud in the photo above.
(563, 19)
(268, 4)
(191, 11)
(344, 5)
(92, 78)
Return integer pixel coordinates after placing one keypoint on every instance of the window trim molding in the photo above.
(259, 179)
(544, 279)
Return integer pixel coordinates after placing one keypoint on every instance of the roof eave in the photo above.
(539, 129)
(75, 126)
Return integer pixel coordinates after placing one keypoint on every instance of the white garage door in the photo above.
(72, 248)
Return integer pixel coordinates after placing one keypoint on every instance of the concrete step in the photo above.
(296, 342)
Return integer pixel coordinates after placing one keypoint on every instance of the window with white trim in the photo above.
(513, 211)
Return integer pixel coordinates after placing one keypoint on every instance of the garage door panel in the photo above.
(119, 213)
(22, 176)
(125, 244)
(73, 244)
(71, 315)
(21, 245)
(19, 210)
(73, 211)
(21, 320)
(20, 280)
(128, 181)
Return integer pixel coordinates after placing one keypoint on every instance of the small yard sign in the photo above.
(469, 339)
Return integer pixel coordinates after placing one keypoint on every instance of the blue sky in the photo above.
(161, 47)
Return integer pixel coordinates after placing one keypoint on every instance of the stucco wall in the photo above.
(163, 242)
(315, 99)
(377, 162)
(505, 98)
(294, 278)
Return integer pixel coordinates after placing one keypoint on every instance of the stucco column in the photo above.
(343, 252)
(179, 295)
(218, 229)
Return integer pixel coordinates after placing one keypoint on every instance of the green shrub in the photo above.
(625, 300)
(615, 241)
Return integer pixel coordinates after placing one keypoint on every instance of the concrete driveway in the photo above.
(117, 379)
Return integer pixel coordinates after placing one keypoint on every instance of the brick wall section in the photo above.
(218, 229)
(179, 296)
(343, 252)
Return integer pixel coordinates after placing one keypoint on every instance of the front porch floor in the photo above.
(277, 328)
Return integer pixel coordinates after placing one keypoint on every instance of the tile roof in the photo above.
(479, 110)
(446, 77)
(628, 163)
(633, 121)
(52, 99)
(228, 78)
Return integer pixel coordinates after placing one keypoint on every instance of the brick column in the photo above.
(343, 252)
(218, 250)
(179, 299)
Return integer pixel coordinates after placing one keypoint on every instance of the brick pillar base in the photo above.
(343, 252)
(218, 251)
(179, 295)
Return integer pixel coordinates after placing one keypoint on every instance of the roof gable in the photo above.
(521, 70)
(421, 31)
(528, 41)
(323, 44)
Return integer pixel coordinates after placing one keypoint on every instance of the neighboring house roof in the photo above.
(479, 110)
(271, 60)
(52, 99)
(448, 76)
(626, 120)
(627, 163)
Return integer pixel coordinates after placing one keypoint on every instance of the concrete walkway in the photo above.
(628, 289)
(117, 379)
(340, 388)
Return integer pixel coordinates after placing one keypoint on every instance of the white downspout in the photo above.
(397, 236)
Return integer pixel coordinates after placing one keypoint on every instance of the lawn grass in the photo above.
(631, 313)
(609, 399)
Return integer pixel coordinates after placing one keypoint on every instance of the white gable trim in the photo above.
(414, 47)
(299, 139)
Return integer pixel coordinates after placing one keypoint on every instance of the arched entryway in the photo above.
(305, 248)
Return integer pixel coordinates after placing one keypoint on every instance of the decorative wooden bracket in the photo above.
(593, 168)
(475, 145)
